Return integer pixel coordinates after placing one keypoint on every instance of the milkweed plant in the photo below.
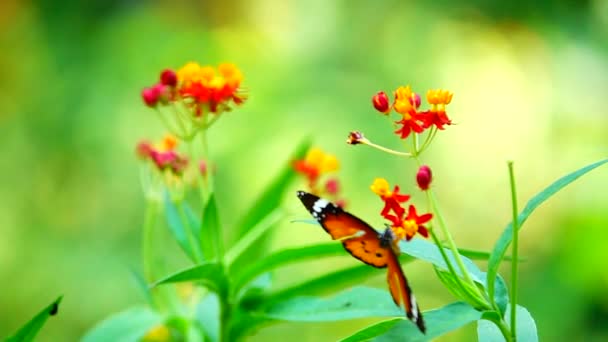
(227, 293)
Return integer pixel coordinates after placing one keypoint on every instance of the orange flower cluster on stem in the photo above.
(404, 223)
(192, 98)
(407, 104)
(314, 167)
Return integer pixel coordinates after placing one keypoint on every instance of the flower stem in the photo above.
(514, 252)
(387, 150)
(148, 236)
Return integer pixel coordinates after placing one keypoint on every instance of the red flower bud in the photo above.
(424, 177)
(381, 102)
(168, 77)
(150, 96)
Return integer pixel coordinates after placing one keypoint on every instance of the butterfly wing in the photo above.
(364, 243)
(358, 237)
(401, 292)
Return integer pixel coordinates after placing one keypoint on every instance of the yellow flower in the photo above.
(230, 73)
(168, 143)
(159, 333)
(189, 72)
(321, 161)
(403, 101)
(380, 187)
(438, 98)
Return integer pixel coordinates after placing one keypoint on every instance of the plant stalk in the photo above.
(514, 253)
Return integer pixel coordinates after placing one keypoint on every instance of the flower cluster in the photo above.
(407, 104)
(183, 98)
(163, 155)
(202, 87)
(404, 223)
(313, 167)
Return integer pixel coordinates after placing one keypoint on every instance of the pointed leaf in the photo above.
(176, 226)
(505, 239)
(438, 321)
(284, 257)
(271, 198)
(211, 274)
(373, 330)
(427, 251)
(210, 233)
(29, 330)
(356, 302)
(127, 326)
(526, 328)
(465, 293)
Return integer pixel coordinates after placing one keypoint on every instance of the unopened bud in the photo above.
(150, 96)
(356, 137)
(424, 177)
(415, 100)
(381, 102)
(168, 78)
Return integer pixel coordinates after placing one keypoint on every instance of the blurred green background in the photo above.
(530, 82)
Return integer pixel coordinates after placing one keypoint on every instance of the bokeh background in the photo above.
(530, 82)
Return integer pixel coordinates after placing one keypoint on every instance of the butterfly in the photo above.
(363, 242)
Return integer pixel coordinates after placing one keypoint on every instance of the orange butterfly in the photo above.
(366, 244)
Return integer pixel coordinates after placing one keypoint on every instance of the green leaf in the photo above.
(284, 257)
(142, 285)
(526, 328)
(331, 281)
(427, 251)
(211, 274)
(210, 237)
(438, 322)
(127, 326)
(356, 302)
(176, 226)
(501, 295)
(271, 198)
(371, 331)
(505, 239)
(466, 292)
(480, 255)
(30, 329)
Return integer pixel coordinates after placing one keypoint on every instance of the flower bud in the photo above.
(381, 102)
(356, 137)
(332, 186)
(202, 168)
(150, 96)
(168, 77)
(144, 149)
(424, 177)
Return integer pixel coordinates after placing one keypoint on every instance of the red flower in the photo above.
(392, 199)
(407, 227)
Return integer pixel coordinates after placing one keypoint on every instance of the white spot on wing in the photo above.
(414, 307)
(319, 205)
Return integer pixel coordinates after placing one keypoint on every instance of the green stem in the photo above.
(387, 150)
(209, 176)
(504, 330)
(148, 236)
(514, 253)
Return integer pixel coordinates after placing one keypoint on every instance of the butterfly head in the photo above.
(387, 238)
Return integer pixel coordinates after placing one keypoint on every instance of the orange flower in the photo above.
(406, 104)
(392, 199)
(407, 227)
(207, 88)
(315, 164)
(437, 115)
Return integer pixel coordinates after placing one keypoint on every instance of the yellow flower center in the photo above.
(410, 227)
